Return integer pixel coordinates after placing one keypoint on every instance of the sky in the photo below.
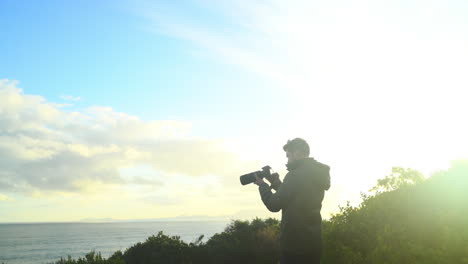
(153, 109)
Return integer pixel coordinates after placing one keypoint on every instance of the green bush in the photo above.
(245, 242)
(158, 249)
(407, 220)
(91, 258)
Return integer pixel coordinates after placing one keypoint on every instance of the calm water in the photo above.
(45, 243)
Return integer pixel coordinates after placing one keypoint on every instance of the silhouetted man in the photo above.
(299, 197)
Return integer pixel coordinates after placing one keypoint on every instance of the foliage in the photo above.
(91, 258)
(406, 220)
(158, 249)
(400, 177)
(414, 221)
(244, 242)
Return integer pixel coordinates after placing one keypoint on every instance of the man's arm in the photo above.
(274, 181)
(277, 201)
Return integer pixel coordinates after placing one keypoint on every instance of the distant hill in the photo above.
(177, 218)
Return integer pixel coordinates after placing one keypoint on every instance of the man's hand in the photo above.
(258, 180)
(274, 180)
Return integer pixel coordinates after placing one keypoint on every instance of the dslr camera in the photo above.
(250, 177)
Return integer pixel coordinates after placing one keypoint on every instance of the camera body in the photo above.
(250, 177)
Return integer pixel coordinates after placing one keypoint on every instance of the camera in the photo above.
(250, 177)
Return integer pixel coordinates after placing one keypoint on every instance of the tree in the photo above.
(400, 177)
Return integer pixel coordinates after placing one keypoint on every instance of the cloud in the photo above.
(4, 198)
(378, 70)
(372, 53)
(70, 98)
(46, 149)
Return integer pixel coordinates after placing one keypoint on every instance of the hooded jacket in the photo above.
(299, 198)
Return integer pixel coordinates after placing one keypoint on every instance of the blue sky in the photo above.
(105, 54)
(107, 104)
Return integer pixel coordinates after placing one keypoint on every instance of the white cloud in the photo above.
(393, 73)
(4, 198)
(360, 67)
(70, 98)
(45, 149)
(298, 42)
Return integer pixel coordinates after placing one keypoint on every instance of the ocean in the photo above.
(47, 242)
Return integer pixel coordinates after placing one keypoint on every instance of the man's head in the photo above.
(296, 149)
